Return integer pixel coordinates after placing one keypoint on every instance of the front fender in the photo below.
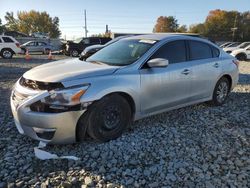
(101, 86)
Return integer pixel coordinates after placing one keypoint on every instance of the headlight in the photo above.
(66, 97)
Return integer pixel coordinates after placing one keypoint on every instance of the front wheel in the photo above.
(108, 118)
(241, 57)
(221, 92)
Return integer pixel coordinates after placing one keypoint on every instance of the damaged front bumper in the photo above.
(43, 126)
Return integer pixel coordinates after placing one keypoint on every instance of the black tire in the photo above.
(221, 92)
(241, 57)
(74, 53)
(7, 53)
(106, 119)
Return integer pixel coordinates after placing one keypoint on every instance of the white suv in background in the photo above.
(8, 47)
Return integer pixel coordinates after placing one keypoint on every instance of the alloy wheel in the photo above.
(222, 92)
(7, 54)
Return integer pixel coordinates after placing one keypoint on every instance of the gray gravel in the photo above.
(197, 146)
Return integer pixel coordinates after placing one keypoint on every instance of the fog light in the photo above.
(46, 134)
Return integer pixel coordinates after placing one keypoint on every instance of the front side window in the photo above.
(94, 41)
(123, 52)
(41, 44)
(174, 52)
(7, 39)
(199, 50)
(31, 44)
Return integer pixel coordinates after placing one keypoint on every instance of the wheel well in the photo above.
(7, 49)
(242, 53)
(229, 78)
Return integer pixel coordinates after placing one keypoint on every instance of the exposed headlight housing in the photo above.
(66, 97)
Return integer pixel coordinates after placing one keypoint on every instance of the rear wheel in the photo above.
(241, 57)
(108, 118)
(7, 53)
(221, 91)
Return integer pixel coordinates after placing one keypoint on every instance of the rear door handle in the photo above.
(186, 71)
(216, 65)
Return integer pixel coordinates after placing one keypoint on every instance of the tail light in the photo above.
(18, 45)
(236, 62)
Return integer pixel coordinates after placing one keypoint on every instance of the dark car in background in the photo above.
(88, 51)
(75, 48)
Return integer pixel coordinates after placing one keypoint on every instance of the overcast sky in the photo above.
(138, 16)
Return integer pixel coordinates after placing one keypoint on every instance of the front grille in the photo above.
(36, 85)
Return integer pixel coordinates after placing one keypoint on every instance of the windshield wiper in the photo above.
(97, 62)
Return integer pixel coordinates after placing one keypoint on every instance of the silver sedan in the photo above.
(63, 101)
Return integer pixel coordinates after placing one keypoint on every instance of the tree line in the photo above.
(220, 25)
(31, 22)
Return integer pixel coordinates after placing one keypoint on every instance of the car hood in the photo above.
(237, 51)
(67, 70)
(230, 48)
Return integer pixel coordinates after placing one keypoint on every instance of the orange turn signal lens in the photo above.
(76, 97)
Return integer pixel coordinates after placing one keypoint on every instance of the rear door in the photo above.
(41, 46)
(206, 68)
(169, 86)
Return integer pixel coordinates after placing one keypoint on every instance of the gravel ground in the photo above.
(197, 146)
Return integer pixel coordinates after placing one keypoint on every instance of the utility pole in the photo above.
(85, 25)
(234, 28)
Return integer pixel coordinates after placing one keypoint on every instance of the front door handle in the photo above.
(216, 65)
(186, 71)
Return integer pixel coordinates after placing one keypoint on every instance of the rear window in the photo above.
(199, 50)
(7, 39)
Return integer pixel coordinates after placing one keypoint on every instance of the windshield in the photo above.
(234, 44)
(114, 40)
(78, 40)
(122, 52)
(244, 45)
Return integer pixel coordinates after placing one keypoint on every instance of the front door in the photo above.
(169, 86)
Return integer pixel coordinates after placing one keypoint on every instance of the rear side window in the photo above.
(174, 52)
(0, 40)
(216, 52)
(41, 44)
(7, 39)
(199, 50)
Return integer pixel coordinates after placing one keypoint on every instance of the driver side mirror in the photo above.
(158, 62)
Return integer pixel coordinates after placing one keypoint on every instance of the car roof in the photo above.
(164, 36)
